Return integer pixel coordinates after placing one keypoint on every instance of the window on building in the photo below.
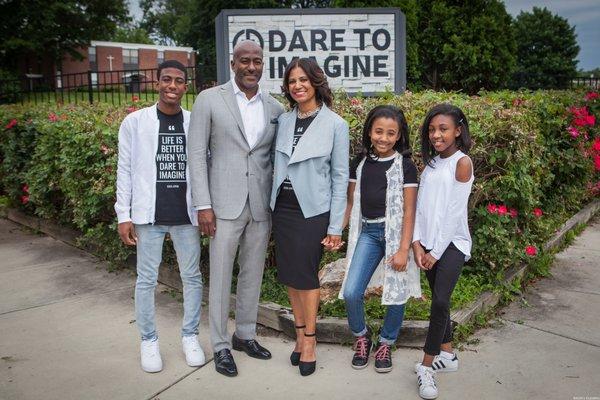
(92, 58)
(160, 56)
(130, 59)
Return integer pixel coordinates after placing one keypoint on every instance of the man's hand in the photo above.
(127, 233)
(207, 222)
(399, 260)
(332, 242)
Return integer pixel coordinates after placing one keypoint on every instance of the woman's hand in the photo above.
(332, 242)
(399, 260)
(428, 261)
(419, 253)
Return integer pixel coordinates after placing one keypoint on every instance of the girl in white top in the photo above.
(441, 239)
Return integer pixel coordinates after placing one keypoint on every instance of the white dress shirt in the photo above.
(252, 112)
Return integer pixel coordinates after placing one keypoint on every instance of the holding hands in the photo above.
(332, 242)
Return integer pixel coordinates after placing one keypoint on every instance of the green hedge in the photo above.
(536, 158)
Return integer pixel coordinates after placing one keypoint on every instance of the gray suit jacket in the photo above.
(224, 170)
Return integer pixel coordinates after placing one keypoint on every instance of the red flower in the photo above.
(538, 212)
(52, 117)
(355, 101)
(135, 99)
(25, 199)
(590, 120)
(131, 109)
(25, 188)
(11, 124)
(591, 96)
(513, 212)
(596, 145)
(492, 208)
(502, 210)
(573, 131)
(597, 162)
(530, 251)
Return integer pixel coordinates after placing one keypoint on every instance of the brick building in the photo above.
(109, 63)
(102, 58)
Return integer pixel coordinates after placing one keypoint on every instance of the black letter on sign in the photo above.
(365, 68)
(320, 40)
(297, 42)
(362, 33)
(335, 71)
(335, 38)
(272, 46)
(379, 66)
(388, 39)
(249, 33)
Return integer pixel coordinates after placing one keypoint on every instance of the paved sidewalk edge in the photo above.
(329, 330)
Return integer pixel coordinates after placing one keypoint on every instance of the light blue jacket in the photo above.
(318, 168)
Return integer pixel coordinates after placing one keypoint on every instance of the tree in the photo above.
(131, 34)
(465, 45)
(55, 28)
(546, 52)
(192, 22)
(410, 9)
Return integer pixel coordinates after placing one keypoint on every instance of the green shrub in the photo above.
(533, 152)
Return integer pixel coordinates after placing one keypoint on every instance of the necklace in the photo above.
(308, 114)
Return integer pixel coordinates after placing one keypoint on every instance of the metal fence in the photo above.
(113, 87)
(593, 83)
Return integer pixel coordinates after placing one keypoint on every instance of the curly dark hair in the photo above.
(315, 75)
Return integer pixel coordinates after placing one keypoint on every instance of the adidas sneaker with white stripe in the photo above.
(443, 363)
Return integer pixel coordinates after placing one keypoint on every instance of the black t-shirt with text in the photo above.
(171, 162)
(302, 125)
(373, 182)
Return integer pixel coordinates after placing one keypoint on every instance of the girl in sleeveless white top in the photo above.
(441, 240)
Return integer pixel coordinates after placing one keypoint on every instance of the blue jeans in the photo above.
(369, 251)
(186, 240)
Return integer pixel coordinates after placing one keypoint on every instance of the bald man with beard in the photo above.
(232, 129)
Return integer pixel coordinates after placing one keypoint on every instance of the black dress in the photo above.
(298, 248)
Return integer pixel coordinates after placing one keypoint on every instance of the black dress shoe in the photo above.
(295, 357)
(224, 363)
(250, 347)
(307, 367)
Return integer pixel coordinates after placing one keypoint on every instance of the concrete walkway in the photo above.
(67, 331)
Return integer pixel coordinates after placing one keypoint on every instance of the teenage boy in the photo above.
(153, 199)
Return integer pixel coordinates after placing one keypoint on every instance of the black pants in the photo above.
(442, 280)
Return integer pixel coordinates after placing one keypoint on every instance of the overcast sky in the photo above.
(584, 14)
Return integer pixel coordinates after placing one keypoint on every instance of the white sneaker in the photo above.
(150, 355)
(194, 356)
(443, 364)
(426, 382)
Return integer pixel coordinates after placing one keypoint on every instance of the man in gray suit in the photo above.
(231, 132)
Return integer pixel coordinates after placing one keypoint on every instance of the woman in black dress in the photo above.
(308, 196)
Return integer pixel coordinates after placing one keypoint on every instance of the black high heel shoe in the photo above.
(307, 367)
(295, 356)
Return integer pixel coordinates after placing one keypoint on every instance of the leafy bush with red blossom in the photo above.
(524, 157)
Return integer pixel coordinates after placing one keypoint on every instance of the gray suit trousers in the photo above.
(252, 237)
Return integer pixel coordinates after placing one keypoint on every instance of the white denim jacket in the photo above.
(136, 169)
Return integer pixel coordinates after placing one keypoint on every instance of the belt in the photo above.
(373, 221)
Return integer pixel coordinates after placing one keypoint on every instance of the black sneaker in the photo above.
(383, 357)
(362, 349)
